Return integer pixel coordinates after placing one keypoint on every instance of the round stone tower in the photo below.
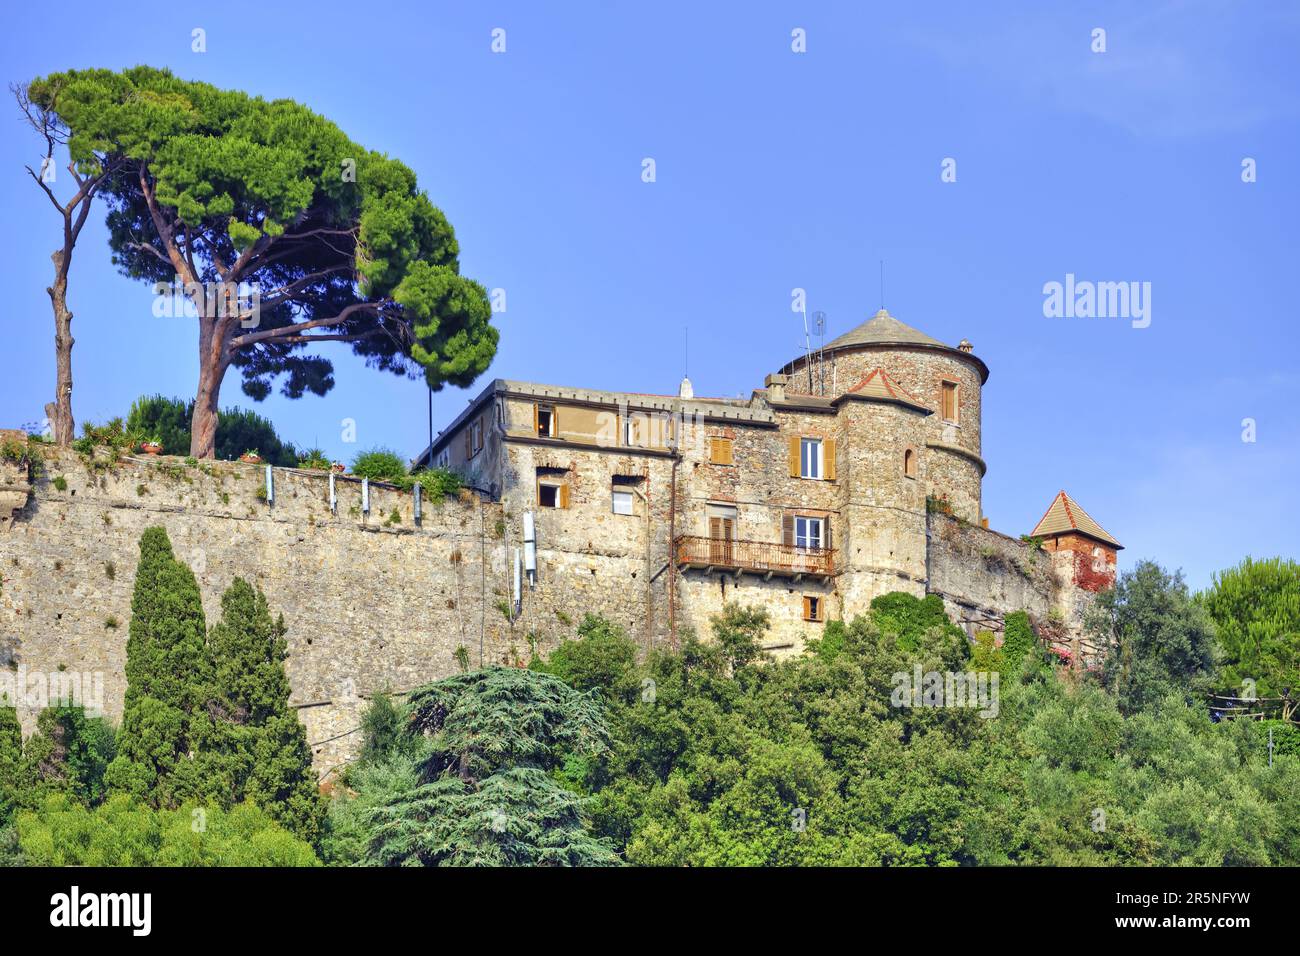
(945, 379)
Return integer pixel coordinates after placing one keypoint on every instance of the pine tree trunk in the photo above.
(212, 369)
(59, 411)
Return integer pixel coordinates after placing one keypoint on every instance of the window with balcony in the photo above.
(807, 532)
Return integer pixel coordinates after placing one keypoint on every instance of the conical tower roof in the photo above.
(1064, 515)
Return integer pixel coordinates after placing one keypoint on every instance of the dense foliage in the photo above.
(120, 832)
(210, 765)
(473, 782)
(1256, 611)
(238, 430)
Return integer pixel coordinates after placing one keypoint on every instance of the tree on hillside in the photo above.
(259, 737)
(1161, 640)
(1256, 610)
(69, 753)
(88, 175)
(486, 795)
(215, 186)
(166, 729)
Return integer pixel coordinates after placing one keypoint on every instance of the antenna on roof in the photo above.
(819, 326)
(807, 347)
(686, 370)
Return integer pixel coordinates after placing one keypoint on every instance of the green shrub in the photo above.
(121, 832)
(437, 483)
(379, 464)
(169, 420)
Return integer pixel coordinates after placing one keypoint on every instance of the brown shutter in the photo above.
(807, 611)
(794, 456)
(828, 459)
(555, 420)
(564, 495)
(787, 530)
(728, 456)
(537, 428)
(469, 442)
(715, 527)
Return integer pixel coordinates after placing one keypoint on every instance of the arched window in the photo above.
(909, 463)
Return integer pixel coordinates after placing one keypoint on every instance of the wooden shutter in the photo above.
(828, 459)
(715, 527)
(537, 426)
(787, 530)
(826, 532)
(555, 421)
(794, 456)
(564, 495)
(469, 442)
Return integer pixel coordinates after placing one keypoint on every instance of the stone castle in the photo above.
(851, 474)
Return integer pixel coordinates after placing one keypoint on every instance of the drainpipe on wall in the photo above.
(672, 557)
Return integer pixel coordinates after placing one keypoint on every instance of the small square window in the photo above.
(548, 496)
(622, 502)
(813, 608)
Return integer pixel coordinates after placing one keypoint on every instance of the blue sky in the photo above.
(778, 170)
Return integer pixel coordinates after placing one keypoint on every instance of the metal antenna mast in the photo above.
(807, 347)
(819, 326)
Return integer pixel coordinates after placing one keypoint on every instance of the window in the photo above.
(949, 401)
(1098, 560)
(722, 531)
(544, 420)
(810, 458)
(909, 463)
(443, 459)
(552, 488)
(807, 532)
(814, 608)
(622, 501)
(474, 438)
(720, 451)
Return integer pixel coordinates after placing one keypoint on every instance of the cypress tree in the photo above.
(263, 749)
(166, 727)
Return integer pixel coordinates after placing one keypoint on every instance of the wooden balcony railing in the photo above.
(764, 557)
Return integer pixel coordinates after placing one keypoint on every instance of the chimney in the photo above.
(965, 346)
(686, 390)
(775, 385)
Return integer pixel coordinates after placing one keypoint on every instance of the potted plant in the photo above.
(339, 467)
(151, 445)
(251, 457)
